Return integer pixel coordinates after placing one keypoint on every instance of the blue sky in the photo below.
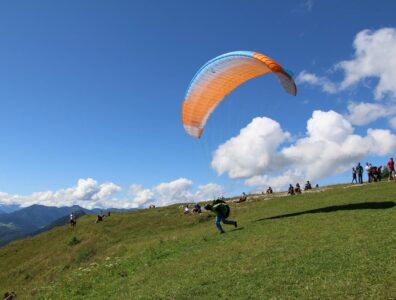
(92, 91)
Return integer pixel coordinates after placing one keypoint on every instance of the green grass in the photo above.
(335, 244)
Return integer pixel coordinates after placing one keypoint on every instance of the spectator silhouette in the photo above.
(269, 190)
(359, 171)
(290, 190)
(354, 175)
(307, 186)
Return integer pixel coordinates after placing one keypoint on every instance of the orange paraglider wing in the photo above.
(220, 76)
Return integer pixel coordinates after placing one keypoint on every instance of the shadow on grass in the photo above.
(236, 229)
(354, 206)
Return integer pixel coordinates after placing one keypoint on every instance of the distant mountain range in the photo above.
(61, 221)
(36, 219)
(4, 208)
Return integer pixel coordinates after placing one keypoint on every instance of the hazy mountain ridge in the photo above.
(32, 220)
(61, 221)
(37, 218)
(9, 208)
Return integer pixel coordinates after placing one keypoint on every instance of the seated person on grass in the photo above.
(243, 198)
(297, 189)
(290, 190)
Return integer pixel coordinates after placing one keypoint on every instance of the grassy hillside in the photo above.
(31, 220)
(339, 243)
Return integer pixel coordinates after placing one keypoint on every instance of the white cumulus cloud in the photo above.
(329, 147)
(87, 193)
(324, 83)
(252, 151)
(392, 122)
(176, 191)
(375, 56)
(363, 113)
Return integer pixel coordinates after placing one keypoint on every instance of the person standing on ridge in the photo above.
(391, 169)
(369, 173)
(72, 220)
(354, 178)
(222, 211)
(359, 170)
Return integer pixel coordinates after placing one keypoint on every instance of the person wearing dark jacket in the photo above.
(354, 175)
(290, 191)
(359, 171)
(222, 211)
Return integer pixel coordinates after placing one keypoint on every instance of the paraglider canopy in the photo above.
(220, 76)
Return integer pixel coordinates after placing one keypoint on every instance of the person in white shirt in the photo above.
(368, 171)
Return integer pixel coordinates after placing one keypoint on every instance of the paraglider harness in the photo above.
(220, 207)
